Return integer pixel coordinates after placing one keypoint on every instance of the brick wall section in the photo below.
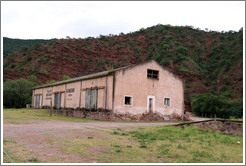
(222, 126)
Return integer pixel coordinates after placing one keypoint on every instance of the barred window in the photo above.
(167, 102)
(128, 100)
(154, 74)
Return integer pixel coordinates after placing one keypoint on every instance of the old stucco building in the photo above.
(137, 89)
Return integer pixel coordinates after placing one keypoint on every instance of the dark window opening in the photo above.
(167, 102)
(152, 74)
(128, 100)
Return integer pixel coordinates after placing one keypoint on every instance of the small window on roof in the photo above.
(154, 74)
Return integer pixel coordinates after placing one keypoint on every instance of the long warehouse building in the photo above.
(136, 89)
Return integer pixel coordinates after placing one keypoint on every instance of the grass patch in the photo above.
(13, 116)
(158, 144)
(175, 144)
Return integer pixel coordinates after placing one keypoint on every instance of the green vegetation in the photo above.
(162, 144)
(17, 93)
(12, 45)
(45, 72)
(189, 144)
(209, 105)
(33, 78)
(45, 60)
(15, 116)
(65, 77)
(213, 59)
(50, 82)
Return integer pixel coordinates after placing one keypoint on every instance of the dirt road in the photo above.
(50, 141)
(42, 125)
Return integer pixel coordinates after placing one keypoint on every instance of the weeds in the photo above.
(34, 159)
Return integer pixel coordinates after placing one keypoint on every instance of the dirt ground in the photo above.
(43, 141)
(195, 118)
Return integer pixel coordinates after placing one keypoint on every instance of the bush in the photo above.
(207, 104)
(165, 62)
(17, 93)
(65, 77)
(236, 109)
(44, 60)
(182, 50)
(158, 57)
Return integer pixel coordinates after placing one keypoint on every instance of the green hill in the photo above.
(206, 61)
(12, 45)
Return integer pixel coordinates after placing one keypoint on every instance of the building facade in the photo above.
(137, 89)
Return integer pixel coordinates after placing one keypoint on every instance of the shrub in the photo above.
(182, 50)
(158, 57)
(33, 78)
(12, 66)
(44, 60)
(50, 82)
(17, 93)
(45, 72)
(165, 62)
(65, 77)
(179, 58)
(208, 104)
(236, 109)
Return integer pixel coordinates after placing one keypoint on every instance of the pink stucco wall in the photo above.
(59, 88)
(133, 82)
(103, 83)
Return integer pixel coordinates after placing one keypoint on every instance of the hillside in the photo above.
(207, 61)
(12, 45)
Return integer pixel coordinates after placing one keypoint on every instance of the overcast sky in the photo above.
(46, 20)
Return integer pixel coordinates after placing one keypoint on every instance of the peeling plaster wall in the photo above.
(47, 96)
(112, 89)
(59, 88)
(72, 93)
(133, 82)
(103, 84)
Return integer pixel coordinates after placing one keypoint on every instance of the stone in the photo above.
(166, 118)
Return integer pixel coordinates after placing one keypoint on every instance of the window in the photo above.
(167, 102)
(152, 74)
(128, 100)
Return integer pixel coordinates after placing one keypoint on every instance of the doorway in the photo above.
(57, 100)
(151, 104)
(37, 103)
(91, 99)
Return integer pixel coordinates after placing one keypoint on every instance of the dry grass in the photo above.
(162, 144)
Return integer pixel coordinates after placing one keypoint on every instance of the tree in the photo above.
(65, 77)
(17, 93)
(207, 104)
(182, 50)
